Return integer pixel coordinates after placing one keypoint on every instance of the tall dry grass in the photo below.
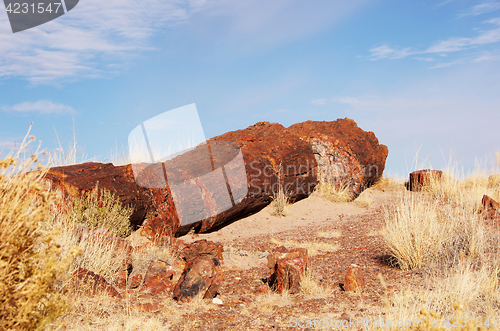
(441, 232)
(332, 191)
(31, 266)
(83, 222)
(280, 203)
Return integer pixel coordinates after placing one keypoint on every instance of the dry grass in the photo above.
(280, 203)
(83, 222)
(310, 287)
(31, 267)
(313, 248)
(441, 231)
(332, 191)
(387, 183)
(364, 200)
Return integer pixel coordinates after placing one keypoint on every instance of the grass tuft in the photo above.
(280, 203)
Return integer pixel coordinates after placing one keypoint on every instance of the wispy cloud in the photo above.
(319, 102)
(94, 34)
(440, 47)
(426, 59)
(447, 64)
(386, 52)
(483, 8)
(40, 106)
(98, 35)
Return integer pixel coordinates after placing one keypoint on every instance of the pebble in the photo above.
(217, 301)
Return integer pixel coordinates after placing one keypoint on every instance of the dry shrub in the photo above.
(31, 269)
(99, 208)
(309, 286)
(77, 218)
(441, 231)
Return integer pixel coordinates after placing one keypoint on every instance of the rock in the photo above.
(273, 156)
(217, 301)
(345, 154)
(121, 280)
(202, 272)
(287, 267)
(422, 178)
(490, 203)
(91, 283)
(354, 279)
(204, 248)
(158, 277)
(135, 281)
(491, 207)
(201, 275)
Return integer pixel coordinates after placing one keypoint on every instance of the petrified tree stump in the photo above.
(287, 267)
(354, 278)
(422, 178)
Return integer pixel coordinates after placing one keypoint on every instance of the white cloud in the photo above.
(386, 52)
(441, 47)
(426, 59)
(447, 64)
(318, 102)
(482, 8)
(487, 56)
(93, 32)
(40, 106)
(98, 34)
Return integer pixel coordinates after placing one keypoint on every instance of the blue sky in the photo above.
(421, 75)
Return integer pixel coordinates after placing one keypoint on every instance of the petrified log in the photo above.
(202, 273)
(288, 267)
(271, 156)
(155, 205)
(422, 178)
(345, 153)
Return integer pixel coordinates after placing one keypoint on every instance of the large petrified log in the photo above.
(273, 157)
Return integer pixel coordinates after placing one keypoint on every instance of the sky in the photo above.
(424, 76)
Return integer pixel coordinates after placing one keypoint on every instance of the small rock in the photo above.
(205, 248)
(200, 275)
(491, 207)
(287, 267)
(121, 279)
(202, 272)
(135, 281)
(91, 283)
(217, 301)
(158, 277)
(354, 279)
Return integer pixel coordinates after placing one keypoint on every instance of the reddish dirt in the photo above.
(247, 303)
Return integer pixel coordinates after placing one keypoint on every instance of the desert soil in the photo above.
(336, 235)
